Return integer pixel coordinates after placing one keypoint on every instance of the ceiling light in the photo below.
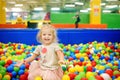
(79, 3)
(18, 5)
(111, 6)
(83, 10)
(111, 0)
(16, 9)
(106, 11)
(55, 8)
(69, 5)
(38, 8)
(102, 4)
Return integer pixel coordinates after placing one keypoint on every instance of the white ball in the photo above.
(105, 76)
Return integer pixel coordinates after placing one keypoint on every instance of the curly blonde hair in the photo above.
(49, 27)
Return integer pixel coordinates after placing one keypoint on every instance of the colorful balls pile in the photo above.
(90, 61)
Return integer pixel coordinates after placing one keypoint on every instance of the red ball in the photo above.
(72, 76)
(27, 66)
(93, 63)
(106, 58)
(83, 79)
(110, 72)
(9, 62)
(23, 77)
(99, 77)
(90, 68)
(76, 51)
(70, 59)
(79, 63)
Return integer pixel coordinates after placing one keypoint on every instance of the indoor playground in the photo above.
(92, 50)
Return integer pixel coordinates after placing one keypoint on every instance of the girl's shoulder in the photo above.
(55, 44)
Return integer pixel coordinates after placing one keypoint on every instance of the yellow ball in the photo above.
(7, 77)
(72, 70)
(38, 78)
(118, 78)
(0, 76)
(88, 74)
(65, 77)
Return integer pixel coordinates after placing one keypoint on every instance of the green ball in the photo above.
(64, 68)
(2, 72)
(16, 69)
(2, 62)
(4, 78)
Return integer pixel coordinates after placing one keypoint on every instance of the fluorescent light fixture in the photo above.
(106, 11)
(79, 3)
(38, 8)
(55, 8)
(6, 9)
(111, 0)
(102, 4)
(18, 5)
(12, 2)
(111, 6)
(16, 9)
(88, 9)
(83, 10)
(69, 5)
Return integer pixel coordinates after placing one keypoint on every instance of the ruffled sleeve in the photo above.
(37, 50)
(57, 47)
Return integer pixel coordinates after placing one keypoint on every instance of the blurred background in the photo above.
(60, 11)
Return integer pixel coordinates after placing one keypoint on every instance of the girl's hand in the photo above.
(62, 62)
(19, 63)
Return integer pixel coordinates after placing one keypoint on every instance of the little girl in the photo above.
(51, 56)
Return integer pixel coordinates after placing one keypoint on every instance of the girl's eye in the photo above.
(49, 34)
(44, 34)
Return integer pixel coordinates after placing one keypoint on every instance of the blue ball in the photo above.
(9, 68)
(22, 67)
(81, 59)
(20, 72)
(14, 74)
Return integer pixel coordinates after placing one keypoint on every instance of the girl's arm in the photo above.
(26, 60)
(30, 58)
(61, 57)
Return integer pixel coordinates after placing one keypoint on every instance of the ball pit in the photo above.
(90, 61)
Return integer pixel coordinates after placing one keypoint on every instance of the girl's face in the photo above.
(47, 37)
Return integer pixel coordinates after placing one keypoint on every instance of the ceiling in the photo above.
(29, 5)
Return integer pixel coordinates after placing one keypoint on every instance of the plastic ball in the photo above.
(81, 59)
(110, 72)
(83, 79)
(10, 68)
(9, 62)
(65, 77)
(14, 74)
(88, 74)
(3, 72)
(23, 77)
(98, 77)
(20, 72)
(2, 62)
(0, 76)
(89, 68)
(16, 69)
(105, 76)
(72, 76)
(7, 77)
(22, 67)
(64, 68)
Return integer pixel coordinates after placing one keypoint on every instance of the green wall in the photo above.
(111, 19)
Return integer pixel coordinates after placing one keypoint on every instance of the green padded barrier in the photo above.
(62, 18)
